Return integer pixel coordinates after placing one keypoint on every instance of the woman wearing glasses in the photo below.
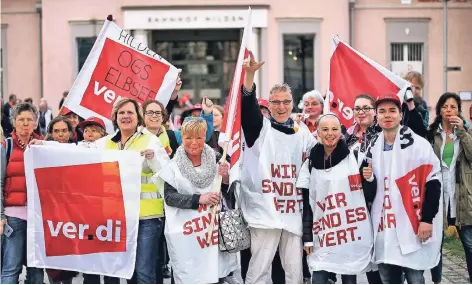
(359, 135)
(155, 114)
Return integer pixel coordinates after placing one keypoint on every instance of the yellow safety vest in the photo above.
(164, 138)
(151, 204)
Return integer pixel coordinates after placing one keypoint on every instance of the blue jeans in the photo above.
(392, 274)
(14, 253)
(465, 234)
(149, 236)
(321, 277)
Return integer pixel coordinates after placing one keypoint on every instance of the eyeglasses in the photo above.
(278, 102)
(363, 109)
(153, 113)
(198, 119)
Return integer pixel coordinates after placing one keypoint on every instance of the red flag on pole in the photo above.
(352, 73)
(231, 132)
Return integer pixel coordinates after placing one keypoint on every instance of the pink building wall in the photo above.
(370, 20)
(369, 29)
(22, 47)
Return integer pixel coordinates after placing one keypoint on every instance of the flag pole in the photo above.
(217, 189)
(231, 115)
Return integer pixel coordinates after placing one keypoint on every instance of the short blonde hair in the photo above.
(193, 126)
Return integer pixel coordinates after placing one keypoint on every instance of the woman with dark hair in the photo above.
(60, 130)
(359, 135)
(452, 143)
(74, 120)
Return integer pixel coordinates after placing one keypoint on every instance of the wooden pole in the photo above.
(217, 188)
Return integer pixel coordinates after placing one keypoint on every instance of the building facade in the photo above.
(45, 43)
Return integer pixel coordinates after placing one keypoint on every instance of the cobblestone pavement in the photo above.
(454, 272)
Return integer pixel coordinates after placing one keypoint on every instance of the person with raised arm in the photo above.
(270, 203)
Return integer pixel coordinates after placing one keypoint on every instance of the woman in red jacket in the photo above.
(24, 118)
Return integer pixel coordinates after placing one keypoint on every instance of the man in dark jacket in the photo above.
(413, 119)
(6, 124)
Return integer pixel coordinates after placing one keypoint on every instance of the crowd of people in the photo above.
(299, 173)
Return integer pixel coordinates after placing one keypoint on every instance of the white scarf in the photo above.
(413, 164)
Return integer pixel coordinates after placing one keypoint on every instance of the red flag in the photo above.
(231, 132)
(351, 74)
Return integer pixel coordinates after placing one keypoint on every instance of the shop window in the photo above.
(299, 64)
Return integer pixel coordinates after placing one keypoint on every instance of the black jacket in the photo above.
(6, 124)
(413, 120)
(317, 161)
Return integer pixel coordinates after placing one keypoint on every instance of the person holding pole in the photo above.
(191, 189)
(270, 203)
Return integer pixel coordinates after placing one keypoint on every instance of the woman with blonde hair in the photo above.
(189, 191)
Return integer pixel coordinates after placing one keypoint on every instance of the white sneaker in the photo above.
(231, 280)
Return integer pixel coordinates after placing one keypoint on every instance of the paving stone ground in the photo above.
(454, 272)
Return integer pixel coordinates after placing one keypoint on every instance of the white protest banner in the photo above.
(119, 66)
(342, 229)
(83, 209)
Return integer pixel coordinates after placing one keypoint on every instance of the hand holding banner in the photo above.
(83, 209)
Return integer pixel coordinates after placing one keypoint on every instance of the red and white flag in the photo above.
(231, 132)
(352, 73)
(83, 209)
(119, 66)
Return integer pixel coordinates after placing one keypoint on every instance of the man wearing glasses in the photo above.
(270, 201)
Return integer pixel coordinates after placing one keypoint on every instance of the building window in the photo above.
(84, 46)
(299, 64)
(207, 60)
(407, 57)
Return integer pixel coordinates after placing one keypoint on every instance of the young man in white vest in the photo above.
(407, 210)
(275, 150)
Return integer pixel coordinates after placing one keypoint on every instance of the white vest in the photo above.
(270, 169)
(193, 259)
(342, 229)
